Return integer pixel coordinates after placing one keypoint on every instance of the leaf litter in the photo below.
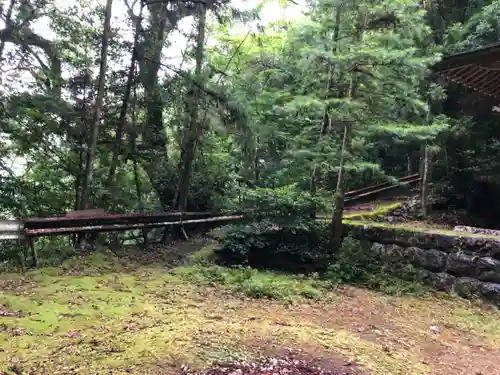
(277, 366)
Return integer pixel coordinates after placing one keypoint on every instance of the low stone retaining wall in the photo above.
(466, 265)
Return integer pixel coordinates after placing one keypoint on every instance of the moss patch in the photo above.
(151, 320)
(377, 212)
(412, 228)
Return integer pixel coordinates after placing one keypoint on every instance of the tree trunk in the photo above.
(325, 126)
(339, 197)
(91, 151)
(154, 159)
(133, 154)
(126, 98)
(163, 18)
(195, 126)
(421, 163)
(78, 180)
(446, 161)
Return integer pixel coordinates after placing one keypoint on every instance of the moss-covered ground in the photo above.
(110, 314)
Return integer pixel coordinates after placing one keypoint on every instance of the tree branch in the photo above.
(26, 37)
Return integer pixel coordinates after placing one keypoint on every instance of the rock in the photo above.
(390, 252)
(467, 287)
(440, 281)
(434, 329)
(489, 276)
(491, 292)
(480, 246)
(488, 269)
(449, 243)
(406, 211)
(475, 230)
(378, 249)
(460, 264)
(433, 260)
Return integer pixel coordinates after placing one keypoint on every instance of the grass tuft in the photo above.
(253, 283)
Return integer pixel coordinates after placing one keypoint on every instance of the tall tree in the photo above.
(125, 102)
(92, 141)
(194, 127)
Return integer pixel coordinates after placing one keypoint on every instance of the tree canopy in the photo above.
(158, 105)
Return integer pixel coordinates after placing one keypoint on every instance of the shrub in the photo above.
(299, 246)
(205, 255)
(355, 264)
(278, 234)
(283, 203)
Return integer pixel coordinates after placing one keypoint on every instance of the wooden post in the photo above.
(425, 159)
(34, 253)
(424, 184)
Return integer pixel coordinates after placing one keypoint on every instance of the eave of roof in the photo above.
(473, 69)
(484, 55)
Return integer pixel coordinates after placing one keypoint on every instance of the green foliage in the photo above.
(286, 203)
(204, 256)
(299, 246)
(278, 232)
(254, 283)
(272, 103)
(355, 265)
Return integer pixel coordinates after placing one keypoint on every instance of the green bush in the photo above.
(299, 246)
(354, 264)
(286, 202)
(279, 233)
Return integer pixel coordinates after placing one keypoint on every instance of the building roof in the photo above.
(477, 69)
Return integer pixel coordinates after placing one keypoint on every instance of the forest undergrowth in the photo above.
(154, 311)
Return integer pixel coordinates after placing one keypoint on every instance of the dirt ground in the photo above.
(114, 319)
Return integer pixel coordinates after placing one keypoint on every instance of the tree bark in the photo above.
(421, 168)
(163, 18)
(92, 142)
(155, 158)
(133, 154)
(339, 197)
(195, 126)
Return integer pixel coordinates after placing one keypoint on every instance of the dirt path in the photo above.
(438, 338)
(383, 335)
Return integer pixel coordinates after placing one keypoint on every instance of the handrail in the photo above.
(378, 186)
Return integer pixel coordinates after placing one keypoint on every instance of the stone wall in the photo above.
(465, 264)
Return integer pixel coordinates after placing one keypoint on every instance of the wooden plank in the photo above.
(83, 213)
(124, 227)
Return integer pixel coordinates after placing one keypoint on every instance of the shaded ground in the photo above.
(101, 315)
